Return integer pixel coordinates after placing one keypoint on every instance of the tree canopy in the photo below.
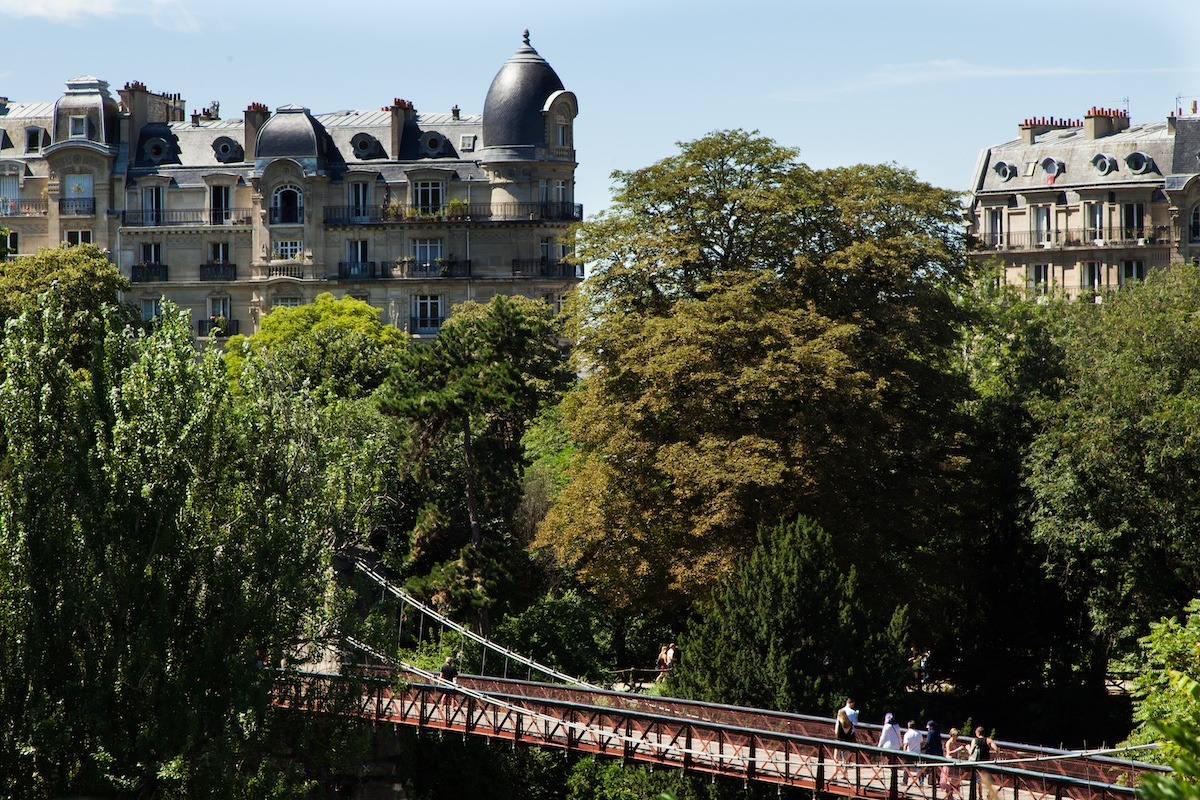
(758, 340)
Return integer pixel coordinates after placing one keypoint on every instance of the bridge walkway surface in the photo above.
(785, 750)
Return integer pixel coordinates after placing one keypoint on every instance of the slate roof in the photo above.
(512, 110)
(1076, 153)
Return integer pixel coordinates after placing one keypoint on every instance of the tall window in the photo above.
(1132, 271)
(427, 196)
(151, 253)
(10, 192)
(218, 252)
(1093, 220)
(1041, 278)
(1042, 233)
(220, 204)
(10, 246)
(289, 248)
(151, 309)
(427, 251)
(1093, 276)
(76, 196)
(427, 313)
(562, 135)
(287, 205)
(360, 200)
(75, 238)
(1194, 228)
(356, 251)
(543, 191)
(219, 307)
(547, 248)
(562, 191)
(995, 229)
(152, 203)
(1133, 220)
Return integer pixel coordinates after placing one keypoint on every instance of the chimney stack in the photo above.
(1034, 127)
(402, 111)
(1101, 122)
(256, 116)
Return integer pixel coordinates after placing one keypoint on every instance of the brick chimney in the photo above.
(402, 111)
(256, 116)
(1034, 127)
(1101, 122)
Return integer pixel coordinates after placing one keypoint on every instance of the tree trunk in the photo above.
(469, 458)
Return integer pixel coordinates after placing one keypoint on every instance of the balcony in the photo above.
(439, 268)
(77, 206)
(357, 271)
(217, 326)
(1089, 237)
(425, 324)
(147, 272)
(456, 211)
(285, 270)
(218, 271)
(285, 215)
(543, 268)
(185, 217)
(22, 208)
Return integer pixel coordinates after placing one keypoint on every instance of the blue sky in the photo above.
(925, 85)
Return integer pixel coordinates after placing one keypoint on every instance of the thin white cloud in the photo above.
(896, 75)
(168, 14)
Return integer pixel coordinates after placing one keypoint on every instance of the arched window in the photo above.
(1194, 228)
(287, 205)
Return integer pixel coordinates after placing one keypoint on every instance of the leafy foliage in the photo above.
(790, 631)
(144, 519)
(1182, 736)
(1169, 653)
(1115, 465)
(760, 340)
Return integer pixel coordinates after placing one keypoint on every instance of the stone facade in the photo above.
(1081, 206)
(230, 218)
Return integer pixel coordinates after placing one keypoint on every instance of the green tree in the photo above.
(80, 279)
(338, 345)
(760, 340)
(1114, 465)
(791, 631)
(1181, 736)
(155, 536)
(1170, 651)
(470, 395)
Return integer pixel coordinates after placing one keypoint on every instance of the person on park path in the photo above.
(912, 744)
(448, 672)
(889, 737)
(843, 731)
(661, 664)
(951, 777)
(851, 712)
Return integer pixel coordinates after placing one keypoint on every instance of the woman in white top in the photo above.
(889, 737)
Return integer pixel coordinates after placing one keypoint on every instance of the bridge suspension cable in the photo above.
(408, 599)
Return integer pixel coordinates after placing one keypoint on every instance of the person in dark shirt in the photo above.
(449, 673)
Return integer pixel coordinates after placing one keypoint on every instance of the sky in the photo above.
(924, 85)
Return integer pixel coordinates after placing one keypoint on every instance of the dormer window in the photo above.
(1053, 167)
(1104, 164)
(1005, 171)
(1139, 163)
(562, 135)
(36, 138)
(79, 127)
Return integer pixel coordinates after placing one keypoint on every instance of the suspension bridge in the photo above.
(752, 745)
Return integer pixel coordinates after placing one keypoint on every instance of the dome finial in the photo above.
(525, 37)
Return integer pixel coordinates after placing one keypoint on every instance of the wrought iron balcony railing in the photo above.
(218, 271)
(439, 268)
(22, 208)
(543, 268)
(285, 215)
(453, 212)
(185, 217)
(148, 272)
(77, 206)
(1108, 236)
(217, 326)
(357, 271)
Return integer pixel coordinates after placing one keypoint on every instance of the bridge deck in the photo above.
(751, 744)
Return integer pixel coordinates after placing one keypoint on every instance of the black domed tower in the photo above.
(528, 137)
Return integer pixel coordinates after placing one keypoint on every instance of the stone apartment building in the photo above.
(411, 212)
(1088, 205)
